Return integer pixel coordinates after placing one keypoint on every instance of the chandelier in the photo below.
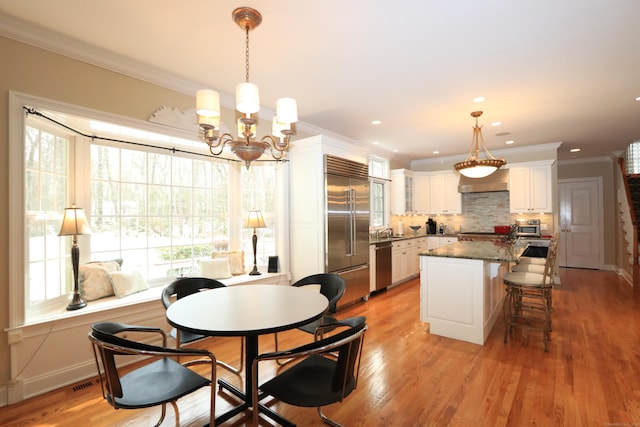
(246, 147)
(473, 166)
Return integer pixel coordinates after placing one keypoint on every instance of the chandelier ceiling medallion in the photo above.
(473, 166)
(246, 147)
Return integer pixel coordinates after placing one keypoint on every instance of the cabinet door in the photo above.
(436, 194)
(401, 191)
(540, 182)
(444, 195)
(421, 193)
(519, 190)
(452, 198)
(399, 261)
(530, 189)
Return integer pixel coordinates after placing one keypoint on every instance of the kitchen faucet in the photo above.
(387, 231)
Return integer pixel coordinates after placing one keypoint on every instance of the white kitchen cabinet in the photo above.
(421, 191)
(405, 262)
(401, 191)
(444, 197)
(530, 188)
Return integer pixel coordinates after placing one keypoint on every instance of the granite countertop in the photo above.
(373, 241)
(489, 251)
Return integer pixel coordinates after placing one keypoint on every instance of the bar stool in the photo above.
(528, 300)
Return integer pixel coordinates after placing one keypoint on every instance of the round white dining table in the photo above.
(247, 311)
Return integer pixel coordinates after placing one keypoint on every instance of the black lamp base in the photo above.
(254, 240)
(76, 303)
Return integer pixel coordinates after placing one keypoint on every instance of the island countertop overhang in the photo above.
(488, 251)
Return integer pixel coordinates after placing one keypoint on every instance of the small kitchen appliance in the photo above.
(528, 228)
(431, 226)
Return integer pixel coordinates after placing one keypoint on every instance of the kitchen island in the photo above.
(461, 289)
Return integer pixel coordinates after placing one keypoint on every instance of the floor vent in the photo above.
(83, 386)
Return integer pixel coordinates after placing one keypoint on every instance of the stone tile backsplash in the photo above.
(480, 212)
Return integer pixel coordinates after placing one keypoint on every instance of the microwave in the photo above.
(528, 228)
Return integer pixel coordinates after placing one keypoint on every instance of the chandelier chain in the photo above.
(247, 55)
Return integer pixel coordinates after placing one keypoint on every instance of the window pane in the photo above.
(47, 177)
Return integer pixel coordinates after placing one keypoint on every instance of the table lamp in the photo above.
(74, 223)
(255, 220)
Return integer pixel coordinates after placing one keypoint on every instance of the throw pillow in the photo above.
(236, 260)
(216, 268)
(93, 280)
(127, 283)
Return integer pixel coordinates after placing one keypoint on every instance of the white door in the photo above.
(581, 234)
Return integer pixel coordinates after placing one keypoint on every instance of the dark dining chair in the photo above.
(160, 379)
(333, 287)
(183, 287)
(318, 379)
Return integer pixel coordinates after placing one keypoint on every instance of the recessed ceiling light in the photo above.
(375, 142)
(375, 122)
(638, 98)
(496, 123)
(478, 99)
(509, 142)
(395, 151)
(436, 152)
(574, 150)
(503, 133)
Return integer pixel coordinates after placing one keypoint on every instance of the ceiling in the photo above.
(551, 71)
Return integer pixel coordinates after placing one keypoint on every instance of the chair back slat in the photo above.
(185, 286)
(332, 286)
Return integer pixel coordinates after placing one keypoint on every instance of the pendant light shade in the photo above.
(474, 166)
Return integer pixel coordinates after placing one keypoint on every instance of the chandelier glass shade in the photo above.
(246, 147)
(474, 166)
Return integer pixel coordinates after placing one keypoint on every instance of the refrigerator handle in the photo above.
(352, 208)
(348, 238)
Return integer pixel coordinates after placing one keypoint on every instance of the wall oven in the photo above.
(528, 228)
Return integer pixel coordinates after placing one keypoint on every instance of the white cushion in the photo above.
(532, 260)
(127, 282)
(215, 268)
(531, 268)
(236, 260)
(526, 279)
(93, 280)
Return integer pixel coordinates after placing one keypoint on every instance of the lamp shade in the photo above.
(478, 171)
(247, 98)
(287, 110)
(74, 222)
(255, 220)
(208, 103)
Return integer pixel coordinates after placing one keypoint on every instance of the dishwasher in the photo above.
(383, 265)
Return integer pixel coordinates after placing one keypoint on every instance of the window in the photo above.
(46, 177)
(161, 212)
(159, 209)
(379, 173)
(258, 192)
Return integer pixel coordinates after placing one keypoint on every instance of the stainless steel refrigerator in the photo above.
(347, 222)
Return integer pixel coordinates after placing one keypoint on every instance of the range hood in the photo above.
(497, 181)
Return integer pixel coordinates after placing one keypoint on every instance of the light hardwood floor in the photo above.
(589, 377)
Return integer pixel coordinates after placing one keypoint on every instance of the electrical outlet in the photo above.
(544, 227)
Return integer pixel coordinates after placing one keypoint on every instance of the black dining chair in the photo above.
(160, 379)
(183, 287)
(318, 379)
(333, 287)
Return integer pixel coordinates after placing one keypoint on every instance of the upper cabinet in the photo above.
(530, 188)
(444, 197)
(421, 191)
(424, 193)
(401, 191)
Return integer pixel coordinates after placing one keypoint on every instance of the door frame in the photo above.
(600, 210)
